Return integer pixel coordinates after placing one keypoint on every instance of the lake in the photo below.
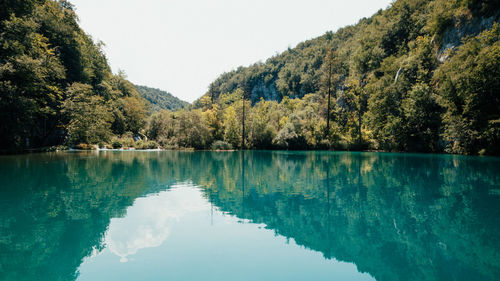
(253, 215)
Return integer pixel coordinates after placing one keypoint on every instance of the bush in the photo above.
(83, 146)
(116, 144)
(127, 140)
(221, 145)
(146, 145)
(56, 148)
(324, 145)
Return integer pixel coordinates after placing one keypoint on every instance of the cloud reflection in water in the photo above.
(148, 222)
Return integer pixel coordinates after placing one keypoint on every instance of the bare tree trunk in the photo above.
(243, 125)
(327, 132)
(359, 125)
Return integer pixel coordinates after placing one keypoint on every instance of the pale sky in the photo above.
(181, 46)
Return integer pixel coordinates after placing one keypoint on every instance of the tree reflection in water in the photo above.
(396, 216)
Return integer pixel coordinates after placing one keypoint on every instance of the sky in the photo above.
(181, 46)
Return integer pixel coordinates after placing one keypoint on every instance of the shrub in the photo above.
(324, 145)
(83, 146)
(146, 145)
(116, 144)
(127, 140)
(221, 145)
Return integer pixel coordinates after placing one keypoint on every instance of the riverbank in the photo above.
(107, 147)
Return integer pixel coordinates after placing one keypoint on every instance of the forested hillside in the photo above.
(160, 99)
(420, 76)
(55, 83)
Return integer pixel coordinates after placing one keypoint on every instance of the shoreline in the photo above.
(66, 149)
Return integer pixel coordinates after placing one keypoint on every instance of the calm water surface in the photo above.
(249, 216)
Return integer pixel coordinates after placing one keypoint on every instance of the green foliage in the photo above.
(160, 99)
(146, 145)
(90, 119)
(419, 76)
(55, 82)
(161, 126)
(116, 144)
(221, 145)
(422, 119)
(467, 85)
(182, 128)
(127, 141)
(130, 114)
(389, 88)
(232, 131)
(263, 122)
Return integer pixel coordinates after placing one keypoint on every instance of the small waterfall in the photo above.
(397, 75)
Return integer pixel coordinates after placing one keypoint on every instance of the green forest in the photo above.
(160, 99)
(419, 76)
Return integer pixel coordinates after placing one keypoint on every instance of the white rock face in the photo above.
(452, 37)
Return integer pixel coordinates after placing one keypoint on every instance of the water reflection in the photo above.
(397, 217)
(147, 223)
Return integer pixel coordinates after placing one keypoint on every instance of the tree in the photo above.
(89, 116)
(48, 67)
(423, 120)
(262, 131)
(161, 127)
(467, 87)
(331, 76)
(134, 113)
(213, 118)
(243, 118)
(231, 127)
(354, 102)
(31, 85)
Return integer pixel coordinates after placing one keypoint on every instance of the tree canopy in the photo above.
(55, 83)
(160, 99)
(419, 76)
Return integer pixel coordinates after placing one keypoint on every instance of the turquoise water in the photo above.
(257, 215)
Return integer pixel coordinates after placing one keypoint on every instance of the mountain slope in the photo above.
(160, 99)
(388, 79)
(361, 47)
